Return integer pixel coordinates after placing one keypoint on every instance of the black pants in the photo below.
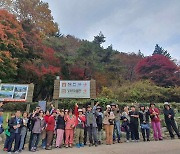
(85, 135)
(16, 137)
(92, 132)
(127, 130)
(134, 131)
(172, 126)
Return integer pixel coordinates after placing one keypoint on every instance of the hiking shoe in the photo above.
(78, 145)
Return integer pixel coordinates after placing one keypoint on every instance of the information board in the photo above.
(13, 92)
(74, 89)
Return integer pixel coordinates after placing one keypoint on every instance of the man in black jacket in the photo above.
(169, 120)
(15, 125)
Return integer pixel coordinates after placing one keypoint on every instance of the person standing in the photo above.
(125, 124)
(70, 120)
(99, 120)
(155, 122)
(108, 122)
(117, 127)
(39, 126)
(91, 115)
(144, 115)
(23, 131)
(169, 120)
(134, 124)
(15, 125)
(50, 129)
(60, 127)
(79, 126)
(31, 125)
(1, 121)
(43, 134)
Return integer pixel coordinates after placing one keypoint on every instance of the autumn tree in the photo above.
(36, 11)
(159, 69)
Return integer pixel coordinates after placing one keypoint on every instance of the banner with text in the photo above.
(13, 92)
(74, 89)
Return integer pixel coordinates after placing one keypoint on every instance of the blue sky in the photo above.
(129, 25)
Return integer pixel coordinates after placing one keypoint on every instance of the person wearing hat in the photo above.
(134, 123)
(70, 120)
(117, 127)
(155, 122)
(99, 119)
(169, 120)
(144, 116)
(91, 124)
(79, 125)
(50, 128)
(108, 122)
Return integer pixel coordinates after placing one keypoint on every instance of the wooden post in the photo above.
(30, 93)
(28, 108)
(56, 89)
(93, 89)
(56, 104)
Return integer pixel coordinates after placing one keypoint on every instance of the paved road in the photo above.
(153, 147)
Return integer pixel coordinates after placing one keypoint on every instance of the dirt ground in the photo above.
(153, 147)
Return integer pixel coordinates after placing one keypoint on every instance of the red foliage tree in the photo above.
(159, 69)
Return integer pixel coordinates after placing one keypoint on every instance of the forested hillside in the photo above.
(33, 50)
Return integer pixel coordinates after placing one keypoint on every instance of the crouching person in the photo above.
(38, 127)
(80, 123)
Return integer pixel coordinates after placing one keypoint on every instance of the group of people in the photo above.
(71, 127)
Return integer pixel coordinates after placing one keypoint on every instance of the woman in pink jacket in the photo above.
(70, 120)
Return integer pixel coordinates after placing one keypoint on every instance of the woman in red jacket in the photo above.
(80, 122)
(70, 120)
(50, 130)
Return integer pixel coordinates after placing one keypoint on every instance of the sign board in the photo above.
(74, 89)
(15, 92)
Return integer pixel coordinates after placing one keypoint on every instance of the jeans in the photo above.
(117, 130)
(145, 129)
(92, 132)
(6, 142)
(22, 139)
(16, 137)
(35, 140)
